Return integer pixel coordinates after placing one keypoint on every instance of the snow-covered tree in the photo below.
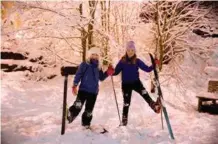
(174, 25)
(172, 20)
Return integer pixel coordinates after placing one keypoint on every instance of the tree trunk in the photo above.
(92, 8)
(83, 34)
(108, 15)
(160, 39)
(105, 14)
(117, 27)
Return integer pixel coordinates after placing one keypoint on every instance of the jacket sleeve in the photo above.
(143, 66)
(118, 68)
(79, 74)
(102, 75)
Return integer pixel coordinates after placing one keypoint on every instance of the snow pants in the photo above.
(127, 94)
(75, 109)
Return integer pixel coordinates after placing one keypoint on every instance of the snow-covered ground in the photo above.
(31, 114)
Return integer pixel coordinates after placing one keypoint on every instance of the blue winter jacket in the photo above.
(130, 71)
(89, 76)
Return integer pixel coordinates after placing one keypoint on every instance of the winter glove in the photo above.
(157, 62)
(110, 70)
(74, 90)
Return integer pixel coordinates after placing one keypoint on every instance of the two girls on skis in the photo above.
(89, 74)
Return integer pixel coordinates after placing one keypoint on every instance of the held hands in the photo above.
(110, 70)
(74, 90)
(157, 62)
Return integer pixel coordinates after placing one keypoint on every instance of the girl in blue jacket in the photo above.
(88, 75)
(129, 66)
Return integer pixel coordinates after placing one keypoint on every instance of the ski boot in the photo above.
(70, 117)
(124, 121)
(156, 106)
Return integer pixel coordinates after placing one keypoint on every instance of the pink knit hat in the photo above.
(130, 45)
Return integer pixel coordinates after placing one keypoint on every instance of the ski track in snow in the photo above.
(32, 112)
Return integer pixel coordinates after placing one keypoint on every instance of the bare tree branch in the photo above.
(61, 57)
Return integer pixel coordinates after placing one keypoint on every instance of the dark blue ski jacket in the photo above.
(130, 71)
(88, 76)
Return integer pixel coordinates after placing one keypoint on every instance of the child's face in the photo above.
(95, 56)
(130, 52)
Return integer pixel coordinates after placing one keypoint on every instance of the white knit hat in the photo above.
(93, 50)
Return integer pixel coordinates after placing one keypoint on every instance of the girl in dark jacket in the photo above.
(129, 66)
(88, 75)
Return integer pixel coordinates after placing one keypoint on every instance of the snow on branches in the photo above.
(172, 22)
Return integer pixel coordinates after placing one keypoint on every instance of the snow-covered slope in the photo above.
(31, 114)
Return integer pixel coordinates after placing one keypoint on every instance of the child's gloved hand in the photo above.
(157, 62)
(110, 70)
(74, 90)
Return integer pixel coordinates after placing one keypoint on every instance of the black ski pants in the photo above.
(127, 94)
(75, 109)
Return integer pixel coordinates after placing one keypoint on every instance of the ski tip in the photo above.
(104, 131)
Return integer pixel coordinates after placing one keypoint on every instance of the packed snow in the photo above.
(32, 112)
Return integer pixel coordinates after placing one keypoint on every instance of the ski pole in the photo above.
(115, 98)
(64, 106)
(162, 118)
(159, 100)
(159, 95)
